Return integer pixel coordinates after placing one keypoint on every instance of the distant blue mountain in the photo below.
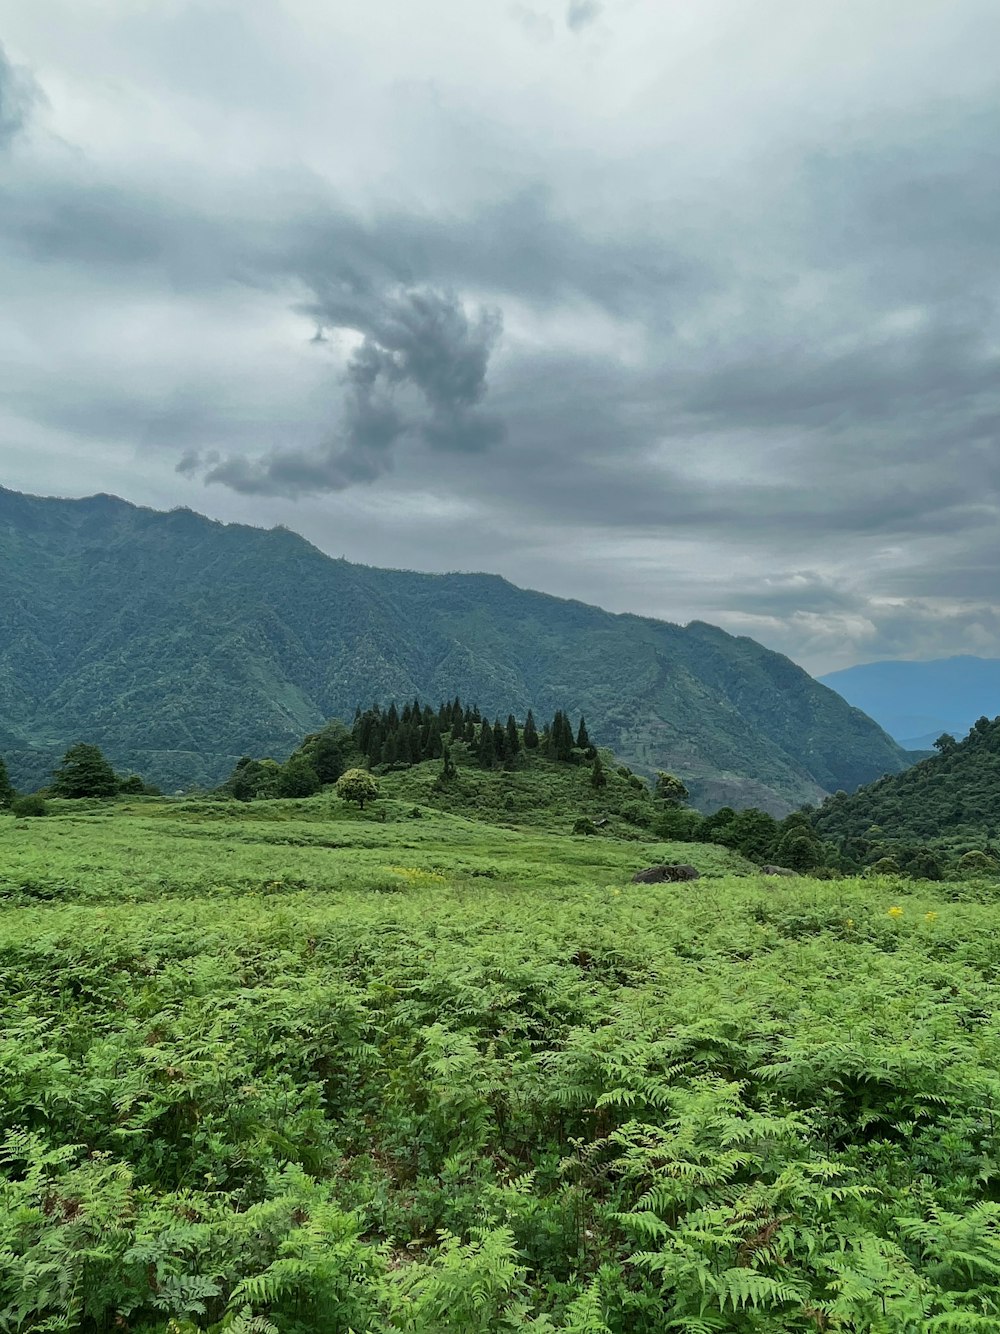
(916, 701)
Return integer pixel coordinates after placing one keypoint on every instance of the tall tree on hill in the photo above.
(487, 751)
(84, 772)
(560, 732)
(328, 750)
(530, 732)
(513, 740)
(469, 734)
(392, 718)
(6, 787)
(499, 740)
(582, 739)
(598, 778)
(390, 748)
(433, 743)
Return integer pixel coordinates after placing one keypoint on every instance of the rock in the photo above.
(658, 875)
(777, 870)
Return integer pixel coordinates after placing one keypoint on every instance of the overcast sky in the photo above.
(688, 309)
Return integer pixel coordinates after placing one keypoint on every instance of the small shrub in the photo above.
(32, 805)
(584, 826)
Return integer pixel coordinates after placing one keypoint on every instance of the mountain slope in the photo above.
(916, 701)
(951, 800)
(177, 644)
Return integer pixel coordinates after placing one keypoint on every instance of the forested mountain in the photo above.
(177, 644)
(916, 701)
(950, 801)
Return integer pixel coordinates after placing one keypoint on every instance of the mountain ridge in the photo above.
(178, 642)
(915, 701)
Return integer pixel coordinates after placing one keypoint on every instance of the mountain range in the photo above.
(917, 701)
(177, 644)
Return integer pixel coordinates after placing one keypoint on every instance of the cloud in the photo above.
(412, 339)
(18, 95)
(581, 13)
(702, 322)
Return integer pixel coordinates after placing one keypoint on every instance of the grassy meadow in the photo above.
(292, 1067)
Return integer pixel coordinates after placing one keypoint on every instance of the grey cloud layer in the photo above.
(787, 364)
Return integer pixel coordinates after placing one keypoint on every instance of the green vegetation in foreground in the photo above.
(287, 1066)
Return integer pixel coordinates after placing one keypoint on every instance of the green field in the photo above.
(285, 1067)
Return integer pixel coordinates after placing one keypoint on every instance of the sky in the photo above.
(691, 310)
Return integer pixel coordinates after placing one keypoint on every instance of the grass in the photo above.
(292, 1067)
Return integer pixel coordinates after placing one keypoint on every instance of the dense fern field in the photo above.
(281, 1068)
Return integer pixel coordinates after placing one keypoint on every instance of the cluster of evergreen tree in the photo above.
(417, 733)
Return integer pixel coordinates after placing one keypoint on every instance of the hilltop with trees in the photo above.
(178, 645)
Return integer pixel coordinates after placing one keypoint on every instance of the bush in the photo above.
(977, 863)
(584, 826)
(32, 805)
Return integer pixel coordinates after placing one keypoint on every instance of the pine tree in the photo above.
(598, 778)
(530, 732)
(499, 740)
(513, 740)
(6, 787)
(85, 772)
(390, 749)
(582, 739)
(487, 751)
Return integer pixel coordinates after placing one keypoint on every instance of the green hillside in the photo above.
(950, 801)
(178, 644)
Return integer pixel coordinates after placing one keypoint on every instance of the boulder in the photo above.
(658, 875)
(777, 870)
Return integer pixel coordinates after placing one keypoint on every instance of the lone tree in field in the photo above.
(85, 772)
(6, 788)
(357, 785)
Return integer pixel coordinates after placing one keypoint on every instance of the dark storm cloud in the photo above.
(412, 339)
(18, 94)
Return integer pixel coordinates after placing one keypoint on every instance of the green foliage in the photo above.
(584, 825)
(7, 793)
(284, 1067)
(33, 804)
(669, 789)
(298, 777)
(933, 813)
(358, 786)
(245, 641)
(84, 772)
(598, 778)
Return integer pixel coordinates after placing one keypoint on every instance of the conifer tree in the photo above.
(499, 740)
(6, 787)
(582, 739)
(470, 731)
(598, 778)
(390, 749)
(487, 751)
(448, 770)
(85, 772)
(513, 740)
(530, 732)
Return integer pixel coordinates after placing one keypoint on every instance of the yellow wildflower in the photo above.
(895, 911)
(849, 922)
(930, 917)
